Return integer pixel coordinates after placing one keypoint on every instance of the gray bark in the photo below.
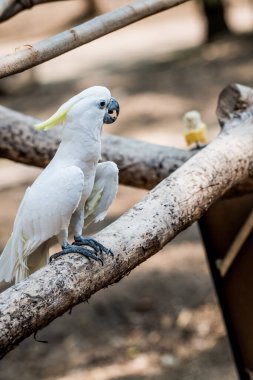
(141, 164)
(170, 207)
(89, 31)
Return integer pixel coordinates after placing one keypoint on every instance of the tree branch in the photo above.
(9, 8)
(173, 205)
(52, 47)
(140, 164)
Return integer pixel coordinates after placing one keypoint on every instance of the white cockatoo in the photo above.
(68, 190)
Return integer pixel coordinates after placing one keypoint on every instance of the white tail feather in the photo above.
(39, 258)
(15, 264)
(31, 263)
(21, 272)
(7, 262)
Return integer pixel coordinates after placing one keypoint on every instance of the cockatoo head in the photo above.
(192, 120)
(94, 103)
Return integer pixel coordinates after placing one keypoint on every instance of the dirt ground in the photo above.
(162, 321)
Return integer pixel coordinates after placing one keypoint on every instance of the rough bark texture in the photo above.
(20, 142)
(141, 164)
(172, 206)
(89, 31)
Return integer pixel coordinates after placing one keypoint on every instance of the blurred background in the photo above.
(162, 321)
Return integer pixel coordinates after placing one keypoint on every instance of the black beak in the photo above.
(112, 112)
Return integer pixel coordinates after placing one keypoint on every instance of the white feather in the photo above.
(39, 218)
(61, 189)
(103, 193)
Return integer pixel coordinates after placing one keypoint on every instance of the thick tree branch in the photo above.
(52, 47)
(141, 164)
(173, 205)
(9, 8)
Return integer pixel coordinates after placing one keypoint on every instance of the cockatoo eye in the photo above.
(102, 104)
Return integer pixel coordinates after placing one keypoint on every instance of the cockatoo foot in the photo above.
(76, 249)
(98, 247)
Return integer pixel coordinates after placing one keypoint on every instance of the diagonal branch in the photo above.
(173, 205)
(9, 8)
(52, 47)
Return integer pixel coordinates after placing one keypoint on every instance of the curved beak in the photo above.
(112, 112)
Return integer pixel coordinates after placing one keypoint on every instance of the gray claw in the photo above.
(76, 249)
(98, 247)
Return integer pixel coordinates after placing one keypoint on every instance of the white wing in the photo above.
(103, 193)
(45, 210)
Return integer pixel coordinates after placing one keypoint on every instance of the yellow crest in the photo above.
(57, 118)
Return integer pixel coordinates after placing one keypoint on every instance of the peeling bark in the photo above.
(170, 207)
